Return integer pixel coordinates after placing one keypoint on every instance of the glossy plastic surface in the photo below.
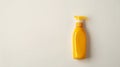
(79, 42)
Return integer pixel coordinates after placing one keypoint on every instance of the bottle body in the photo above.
(79, 42)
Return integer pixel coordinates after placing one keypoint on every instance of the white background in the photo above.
(37, 33)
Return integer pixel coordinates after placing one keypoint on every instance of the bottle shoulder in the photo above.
(78, 29)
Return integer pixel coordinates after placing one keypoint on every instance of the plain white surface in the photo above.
(37, 33)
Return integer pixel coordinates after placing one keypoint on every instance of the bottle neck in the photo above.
(79, 24)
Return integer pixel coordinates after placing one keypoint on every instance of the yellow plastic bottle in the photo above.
(79, 39)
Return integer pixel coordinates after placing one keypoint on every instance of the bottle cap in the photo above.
(80, 18)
